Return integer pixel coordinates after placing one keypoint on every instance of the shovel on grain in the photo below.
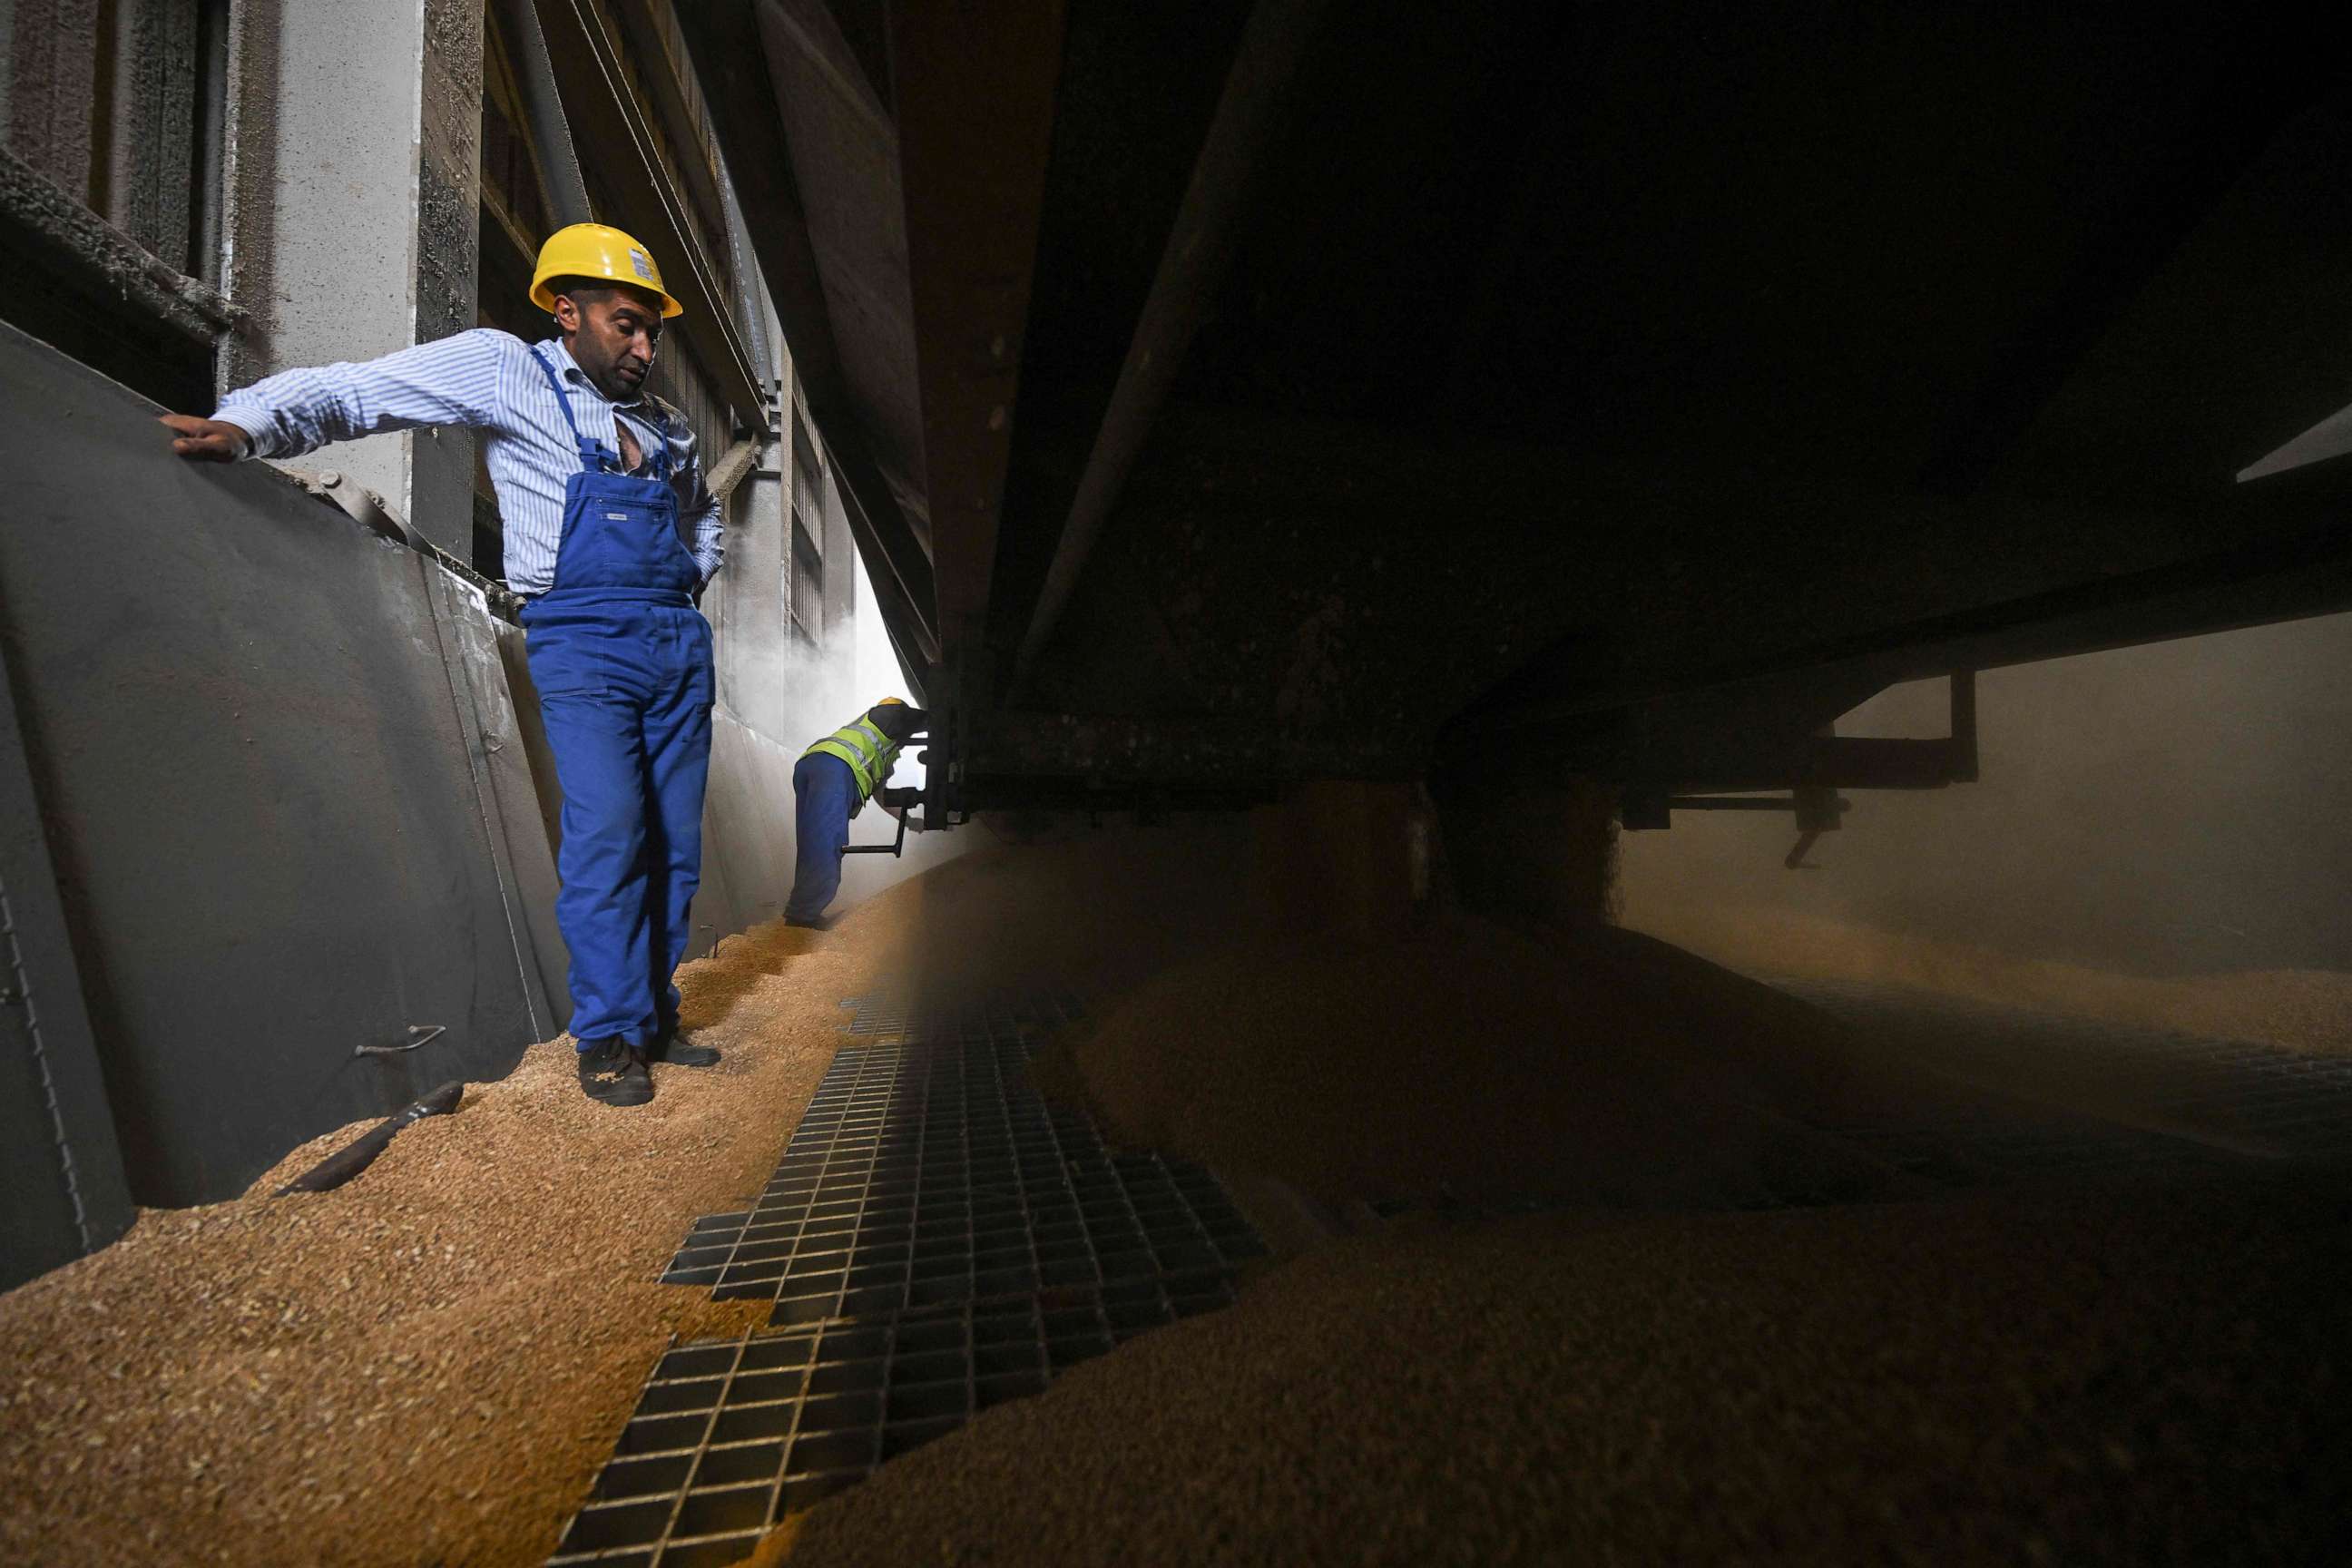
(356, 1155)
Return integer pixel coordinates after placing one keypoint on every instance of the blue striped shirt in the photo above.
(483, 379)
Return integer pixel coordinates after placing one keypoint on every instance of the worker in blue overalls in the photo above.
(831, 783)
(610, 535)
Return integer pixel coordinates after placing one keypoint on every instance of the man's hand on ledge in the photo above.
(204, 440)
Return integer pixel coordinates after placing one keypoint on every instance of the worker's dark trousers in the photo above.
(624, 685)
(824, 792)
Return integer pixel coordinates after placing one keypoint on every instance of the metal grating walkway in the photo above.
(936, 1240)
(926, 1171)
(2263, 1096)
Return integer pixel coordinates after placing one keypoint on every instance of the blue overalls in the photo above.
(622, 660)
(824, 797)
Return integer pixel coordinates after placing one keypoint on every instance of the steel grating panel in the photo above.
(728, 1437)
(936, 1240)
(2295, 1103)
(1963, 1149)
(1983, 1146)
(892, 1012)
(927, 1172)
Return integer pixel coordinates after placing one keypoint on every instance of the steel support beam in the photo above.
(614, 138)
(2257, 585)
(551, 135)
(1190, 269)
(904, 624)
(658, 76)
(2207, 155)
(1841, 762)
(976, 94)
(730, 58)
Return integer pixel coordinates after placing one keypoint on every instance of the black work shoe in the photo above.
(820, 923)
(678, 1049)
(612, 1072)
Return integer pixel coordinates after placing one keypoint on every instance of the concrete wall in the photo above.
(353, 173)
(749, 812)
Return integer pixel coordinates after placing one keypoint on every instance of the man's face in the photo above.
(613, 338)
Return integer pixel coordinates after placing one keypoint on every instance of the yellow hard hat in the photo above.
(891, 702)
(593, 250)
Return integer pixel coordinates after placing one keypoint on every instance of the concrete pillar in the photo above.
(354, 184)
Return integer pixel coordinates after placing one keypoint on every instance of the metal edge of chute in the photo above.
(2331, 437)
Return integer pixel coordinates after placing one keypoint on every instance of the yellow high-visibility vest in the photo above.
(869, 752)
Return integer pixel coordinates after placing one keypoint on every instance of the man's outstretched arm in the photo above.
(451, 381)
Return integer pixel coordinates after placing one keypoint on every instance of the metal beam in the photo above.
(1189, 266)
(2257, 585)
(2273, 75)
(603, 109)
(551, 151)
(731, 61)
(657, 73)
(1841, 762)
(975, 95)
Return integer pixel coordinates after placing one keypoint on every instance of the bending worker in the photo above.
(831, 783)
(610, 536)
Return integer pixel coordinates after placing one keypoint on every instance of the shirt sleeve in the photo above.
(450, 381)
(702, 510)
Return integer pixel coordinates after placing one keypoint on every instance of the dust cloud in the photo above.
(2161, 832)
